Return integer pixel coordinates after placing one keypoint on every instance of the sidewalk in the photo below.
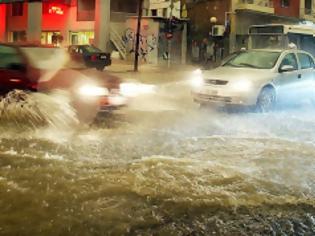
(149, 73)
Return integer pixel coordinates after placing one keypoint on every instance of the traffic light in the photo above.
(171, 26)
(168, 35)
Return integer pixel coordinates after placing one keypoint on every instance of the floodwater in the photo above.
(161, 167)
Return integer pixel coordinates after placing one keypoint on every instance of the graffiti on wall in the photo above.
(147, 43)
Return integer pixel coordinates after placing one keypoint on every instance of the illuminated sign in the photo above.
(55, 10)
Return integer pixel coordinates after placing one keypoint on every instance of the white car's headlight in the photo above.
(92, 90)
(242, 85)
(197, 79)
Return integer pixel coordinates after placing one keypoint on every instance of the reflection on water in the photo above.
(167, 172)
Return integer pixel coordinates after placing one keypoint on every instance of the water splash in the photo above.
(21, 109)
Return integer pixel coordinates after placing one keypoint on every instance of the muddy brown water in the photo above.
(160, 172)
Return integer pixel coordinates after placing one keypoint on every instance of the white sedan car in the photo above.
(259, 78)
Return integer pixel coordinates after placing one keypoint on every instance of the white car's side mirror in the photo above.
(286, 68)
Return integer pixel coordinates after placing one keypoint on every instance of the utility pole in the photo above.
(136, 63)
(170, 40)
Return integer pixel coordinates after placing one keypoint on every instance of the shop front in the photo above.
(51, 38)
(81, 37)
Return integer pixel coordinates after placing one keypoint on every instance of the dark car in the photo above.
(37, 68)
(90, 55)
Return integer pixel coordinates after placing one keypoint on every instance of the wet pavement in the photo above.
(160, 167)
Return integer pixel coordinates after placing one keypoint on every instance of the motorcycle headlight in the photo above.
(242, 85)
(92, 91)
(130, 89)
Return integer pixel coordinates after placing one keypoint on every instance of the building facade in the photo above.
(64, 21)
(161, 40)
(108, 24)
(237, 15)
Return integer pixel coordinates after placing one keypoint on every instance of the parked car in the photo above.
(258, 78)
(36, 68)
(90, 55)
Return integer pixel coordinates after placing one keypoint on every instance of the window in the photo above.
(130, 6)
(154, 12)
(17, 9)
(308, 7)
(164, 12)
(17, 36)
(285, 3)
(47, 37)
(306, 61)
(290, 60)
(90, 49)
(86, 10)
(9, 56)
(86, 5)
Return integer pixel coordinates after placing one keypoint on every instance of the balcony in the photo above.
(263, 6)
(156, 4)
(162, 8)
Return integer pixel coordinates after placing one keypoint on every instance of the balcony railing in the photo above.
(265, 6)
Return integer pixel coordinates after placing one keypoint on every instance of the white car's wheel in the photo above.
(266, 100)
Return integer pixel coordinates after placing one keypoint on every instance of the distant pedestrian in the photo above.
(209, 52)
(215, 51)
(203, 50)
(195, 51)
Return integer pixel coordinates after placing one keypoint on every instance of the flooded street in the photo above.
(160, 167)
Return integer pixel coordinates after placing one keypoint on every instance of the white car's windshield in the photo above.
(254, 59)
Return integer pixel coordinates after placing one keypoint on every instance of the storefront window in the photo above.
(51, 38)
(80, 38)
(17, 36)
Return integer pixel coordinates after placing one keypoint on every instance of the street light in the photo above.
(213, 20)
(169, 45)
(138, 35)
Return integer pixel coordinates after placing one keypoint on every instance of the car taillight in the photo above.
(33, 86)
(93, 58)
